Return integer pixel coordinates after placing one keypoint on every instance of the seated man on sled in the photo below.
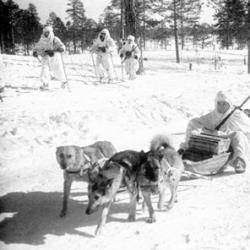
(236, 127)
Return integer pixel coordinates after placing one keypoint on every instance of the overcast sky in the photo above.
(93, 7)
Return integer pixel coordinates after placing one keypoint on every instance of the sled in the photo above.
(207, 154)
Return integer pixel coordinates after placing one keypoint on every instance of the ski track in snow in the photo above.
(209, 214)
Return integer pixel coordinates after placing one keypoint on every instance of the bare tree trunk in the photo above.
(122, 20)
(141, 66)
(176, 35)
(182, 25)
(129, 8)
(12, 39)
(248, 57)
(248, 38)
(74, 42)
(144, 25)
(1, 43)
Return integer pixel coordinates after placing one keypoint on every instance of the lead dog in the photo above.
(104, 183)
(75, 161)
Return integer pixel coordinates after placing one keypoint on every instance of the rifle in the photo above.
(235, 108)
(126, 57)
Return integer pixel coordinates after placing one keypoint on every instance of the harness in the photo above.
(82, 171)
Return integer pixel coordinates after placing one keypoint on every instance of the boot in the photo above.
(239, 165)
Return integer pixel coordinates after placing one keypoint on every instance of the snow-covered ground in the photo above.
(209, 215)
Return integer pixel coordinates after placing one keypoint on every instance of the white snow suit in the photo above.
(103, 50)
(51, 65)
(237, 128)
(130, 54)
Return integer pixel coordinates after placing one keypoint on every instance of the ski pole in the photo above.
(116, 76)
(93, 62)
(122, 69)
(67, 82)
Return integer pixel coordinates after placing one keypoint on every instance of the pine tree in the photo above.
(111, 21)
(231, 22)
(76, 13)
(58, 26)
(90, 31)
(10, 12)
(130, 20)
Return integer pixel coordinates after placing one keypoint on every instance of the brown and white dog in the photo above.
(75, 161)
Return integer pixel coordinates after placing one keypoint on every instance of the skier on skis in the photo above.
(129, 54)
(103, 47)
(50, 48)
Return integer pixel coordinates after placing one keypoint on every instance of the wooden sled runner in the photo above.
(207, 154)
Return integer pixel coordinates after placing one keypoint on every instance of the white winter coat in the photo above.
(52, 64)
(131, 63)
(104, 59)
(238, 124)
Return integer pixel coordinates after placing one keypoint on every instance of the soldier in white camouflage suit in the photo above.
(129, 54)
(237, 128)
(103, 47)
(50, 49)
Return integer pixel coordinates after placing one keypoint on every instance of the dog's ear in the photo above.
(143, 156)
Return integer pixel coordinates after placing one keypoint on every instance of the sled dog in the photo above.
(162, 168)
(104, 183)
(75, 162)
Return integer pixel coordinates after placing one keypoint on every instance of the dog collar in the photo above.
(73, 172)
(81, 171)
(87, 157)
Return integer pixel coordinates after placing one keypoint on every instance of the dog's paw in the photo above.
(160, 206)
(151, 220)
(131, 218)
(62, 213)
(98, 231)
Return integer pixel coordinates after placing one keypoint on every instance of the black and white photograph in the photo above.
(125, 124)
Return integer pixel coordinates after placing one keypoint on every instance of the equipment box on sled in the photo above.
(207, 154)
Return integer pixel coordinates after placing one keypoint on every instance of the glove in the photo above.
(102, 49)
(136, 57)
(128, 54)
(35, 54)
(181, 151)
(60, 50)
(121, 55)
(49, 52)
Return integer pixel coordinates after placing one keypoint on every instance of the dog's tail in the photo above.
(161, 140)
